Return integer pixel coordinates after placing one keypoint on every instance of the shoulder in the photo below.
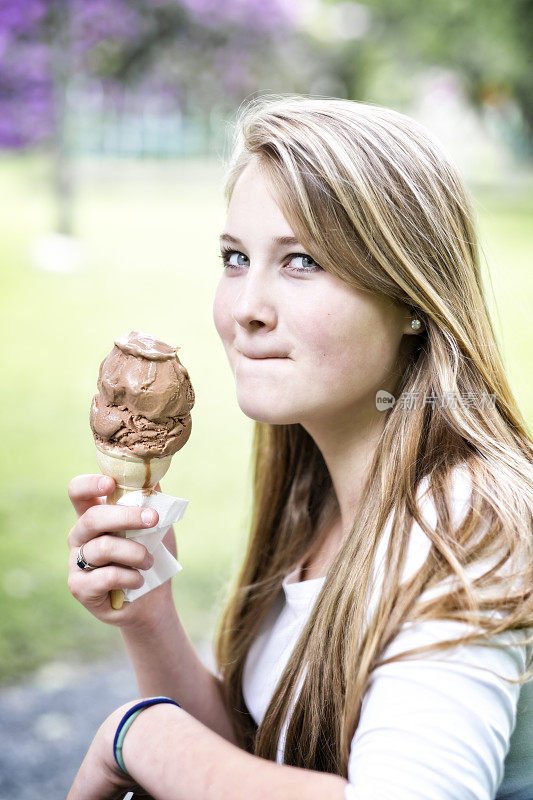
(504, 573)
(493, 501)
(460, 491)
(460, 487)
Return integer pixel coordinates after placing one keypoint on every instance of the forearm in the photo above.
(174, 757)
(166, 663)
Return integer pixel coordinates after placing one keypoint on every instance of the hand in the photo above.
(99, 776)
(118, 559)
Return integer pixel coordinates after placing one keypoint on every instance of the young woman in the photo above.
(377, 639)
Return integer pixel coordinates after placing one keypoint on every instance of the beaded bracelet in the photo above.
(127, 720)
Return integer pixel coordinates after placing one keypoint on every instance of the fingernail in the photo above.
(148, 516)
(103, 484)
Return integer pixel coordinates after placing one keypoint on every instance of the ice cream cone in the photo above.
(130, 474)
(140, 416)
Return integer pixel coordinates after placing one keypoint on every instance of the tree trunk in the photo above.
(63, 177)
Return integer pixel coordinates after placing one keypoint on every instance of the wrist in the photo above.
(105, 738)
(151, 616)
(142, 733)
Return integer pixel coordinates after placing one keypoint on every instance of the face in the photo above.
(303, 345)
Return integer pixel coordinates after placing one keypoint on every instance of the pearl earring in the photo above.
(416, 324)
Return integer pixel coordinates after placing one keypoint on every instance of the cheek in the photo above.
(329, 337)
(222, 311)
(348, 345)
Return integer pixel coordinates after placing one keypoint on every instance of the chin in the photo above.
(261, 412)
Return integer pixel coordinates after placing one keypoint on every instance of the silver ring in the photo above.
(82, 564)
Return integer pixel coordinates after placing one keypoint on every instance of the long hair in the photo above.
(375, 201)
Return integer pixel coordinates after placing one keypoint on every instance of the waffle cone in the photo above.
(130, 474)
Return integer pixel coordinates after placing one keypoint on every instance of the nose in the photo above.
(254, 306)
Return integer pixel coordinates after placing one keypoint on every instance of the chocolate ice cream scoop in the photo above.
(144, 400)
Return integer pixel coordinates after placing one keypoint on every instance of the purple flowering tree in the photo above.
(195, 53)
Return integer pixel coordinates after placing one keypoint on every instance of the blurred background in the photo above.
(115, 120)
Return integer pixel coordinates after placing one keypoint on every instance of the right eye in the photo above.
(228, 254)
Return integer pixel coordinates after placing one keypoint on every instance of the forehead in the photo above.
(251, 172)
(252, 184)
(253, 205)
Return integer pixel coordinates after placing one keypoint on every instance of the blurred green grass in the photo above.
(150, 231)
(152, 264)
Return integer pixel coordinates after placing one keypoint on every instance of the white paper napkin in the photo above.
(170, 510)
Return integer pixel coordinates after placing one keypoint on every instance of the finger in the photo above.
(106, 549)
(103, 518)
(92, 586)
(85, 490)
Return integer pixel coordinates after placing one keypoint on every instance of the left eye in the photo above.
(305, 260)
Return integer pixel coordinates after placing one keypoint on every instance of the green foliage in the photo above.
(486, 42)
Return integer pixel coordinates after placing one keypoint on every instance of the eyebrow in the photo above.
(288, 240)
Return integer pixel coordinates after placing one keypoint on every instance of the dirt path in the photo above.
(48, 721)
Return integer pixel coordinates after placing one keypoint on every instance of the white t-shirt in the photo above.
(435, 728)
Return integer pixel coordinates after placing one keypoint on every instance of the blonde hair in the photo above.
(374, 201)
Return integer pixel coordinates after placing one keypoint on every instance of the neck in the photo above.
(348, 446)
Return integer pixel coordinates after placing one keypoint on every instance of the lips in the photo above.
(262, 355)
